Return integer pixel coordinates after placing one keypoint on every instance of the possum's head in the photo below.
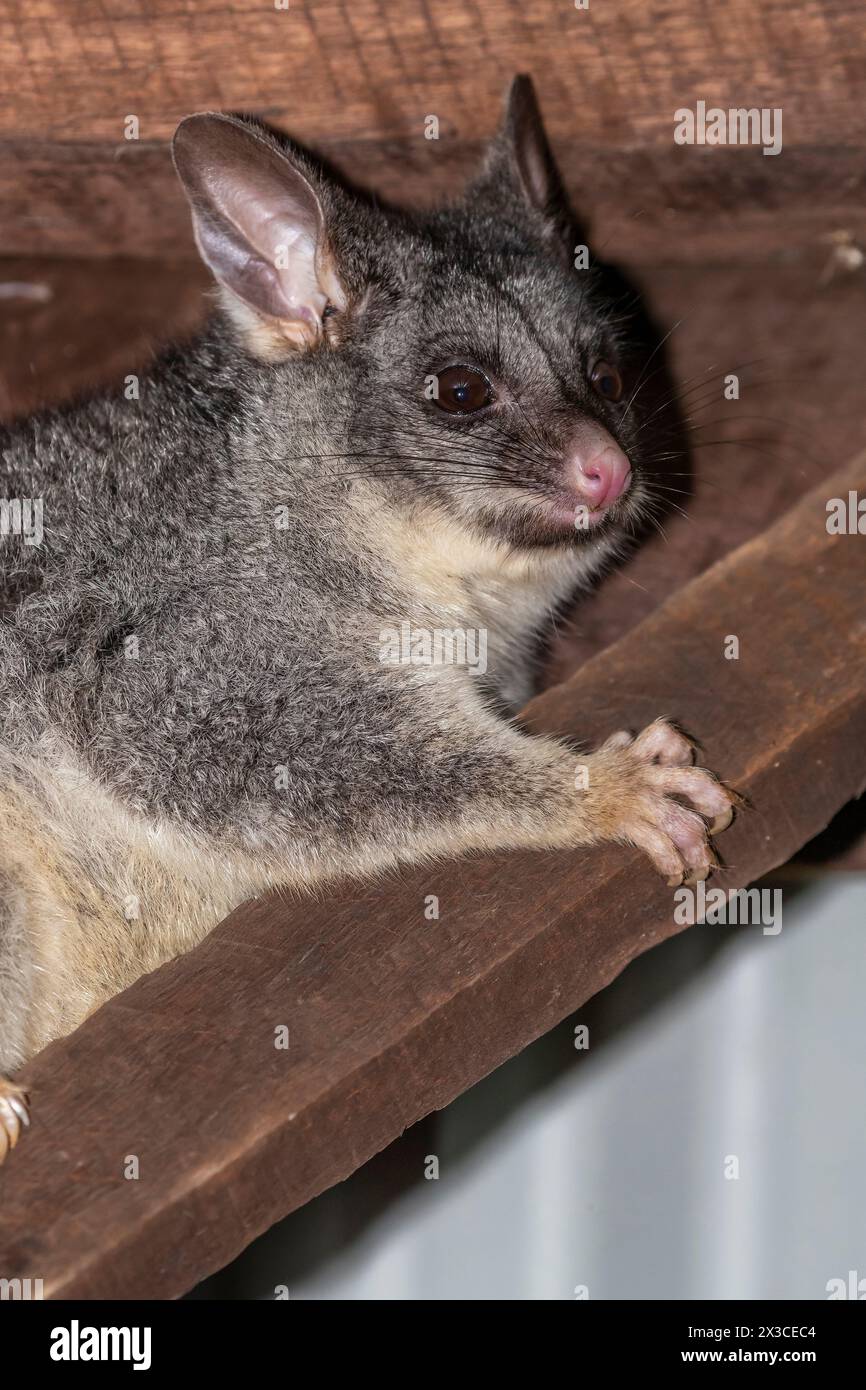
(468, 357)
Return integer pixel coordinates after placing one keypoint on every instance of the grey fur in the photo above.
(258, 643)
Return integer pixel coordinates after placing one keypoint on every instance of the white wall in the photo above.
(606, 1168)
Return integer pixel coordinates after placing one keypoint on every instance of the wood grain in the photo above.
(364, 70)
(356, 81)
(662, 203)
(69, 327)
(391, 1015)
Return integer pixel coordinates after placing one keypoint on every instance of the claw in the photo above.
(671, 807)
(14, 1115)
(722, 822)
(696, 876)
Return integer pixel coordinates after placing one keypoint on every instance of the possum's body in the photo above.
(117, 839)
(397, 420)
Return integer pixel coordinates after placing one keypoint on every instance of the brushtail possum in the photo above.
(226, 664)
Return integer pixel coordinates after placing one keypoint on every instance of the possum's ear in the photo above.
(519, 169)
(260, 227)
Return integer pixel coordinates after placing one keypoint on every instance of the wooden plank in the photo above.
(391, 1015)
(681, 203)
(358, 81)
(68, 327)
(363, 70)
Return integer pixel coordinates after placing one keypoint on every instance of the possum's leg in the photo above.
(532, 792)
(500, 790)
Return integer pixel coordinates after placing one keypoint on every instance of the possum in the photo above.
(234, 652)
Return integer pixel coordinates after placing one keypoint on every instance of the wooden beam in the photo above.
(70, 327)
(616, 73)
(358, 83)
(650, 203)
(391, 1015)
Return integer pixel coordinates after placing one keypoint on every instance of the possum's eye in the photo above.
(462, 390)
(606, 381)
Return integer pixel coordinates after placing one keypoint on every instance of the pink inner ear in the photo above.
(258, 221)
(283, 226)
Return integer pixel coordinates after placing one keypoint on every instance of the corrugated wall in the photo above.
(612, 1168)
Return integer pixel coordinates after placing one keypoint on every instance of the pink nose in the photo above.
(600, 475)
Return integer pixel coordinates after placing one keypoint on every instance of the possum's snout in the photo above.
(595, 473)
(599, 472)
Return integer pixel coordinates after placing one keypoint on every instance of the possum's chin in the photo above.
(556, 522)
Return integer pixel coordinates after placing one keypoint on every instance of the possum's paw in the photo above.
(14, 1115)
(643, 776)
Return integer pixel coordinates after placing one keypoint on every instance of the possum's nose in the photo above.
(600, 473)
